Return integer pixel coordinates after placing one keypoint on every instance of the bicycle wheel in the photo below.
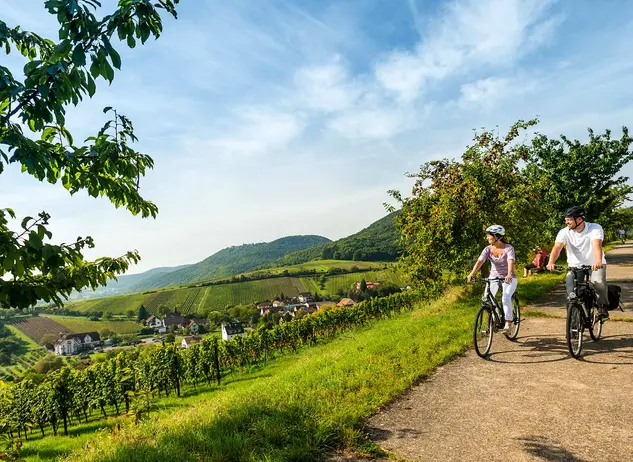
(482, 333)
(595, 329)
(516, 318)
(575, 329)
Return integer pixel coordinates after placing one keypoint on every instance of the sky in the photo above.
(282, 117)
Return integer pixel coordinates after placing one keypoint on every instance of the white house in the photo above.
(154, 322)
(231, 329)
(190, 340)
(305, 297)
(71, 344)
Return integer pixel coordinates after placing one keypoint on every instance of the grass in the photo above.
(77, 324)
(301, 406)
(31, 344)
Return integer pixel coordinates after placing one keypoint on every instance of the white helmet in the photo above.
(496, 230)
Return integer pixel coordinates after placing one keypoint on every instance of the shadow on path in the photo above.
(547, 449)
(548, 348)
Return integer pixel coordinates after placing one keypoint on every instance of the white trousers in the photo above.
(506, 296)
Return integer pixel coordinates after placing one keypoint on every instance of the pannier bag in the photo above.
(614, 297)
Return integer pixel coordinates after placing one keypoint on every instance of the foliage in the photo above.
(9, 345)
(377, 242)
(586, 174)
(524, 187)
(143, 314)
(443, 222)
(57, 74)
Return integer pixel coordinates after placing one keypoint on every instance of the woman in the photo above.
(502, 256)
(538, 264)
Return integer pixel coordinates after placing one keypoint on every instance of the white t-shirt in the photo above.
(579, 244)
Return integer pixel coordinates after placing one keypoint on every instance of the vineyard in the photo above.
(69, 396)
(39, 326)
(76, 324)
(21, 363)
(189, 300)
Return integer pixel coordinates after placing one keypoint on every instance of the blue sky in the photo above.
(272, 118)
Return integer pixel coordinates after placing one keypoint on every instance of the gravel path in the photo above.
(530, 400)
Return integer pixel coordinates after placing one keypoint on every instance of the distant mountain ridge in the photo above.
(230, 261)
(378, 242)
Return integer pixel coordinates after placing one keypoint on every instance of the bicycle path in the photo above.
(530, 401)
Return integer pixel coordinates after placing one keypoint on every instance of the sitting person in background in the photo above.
(538, 264)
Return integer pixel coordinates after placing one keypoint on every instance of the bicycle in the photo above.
(490, 318)
(582, 311)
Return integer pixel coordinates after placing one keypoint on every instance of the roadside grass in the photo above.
(302, 406)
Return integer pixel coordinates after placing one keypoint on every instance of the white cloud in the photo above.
(258, 130)
(327, 87)
(482, 33)
(377, 122)
(483, 92)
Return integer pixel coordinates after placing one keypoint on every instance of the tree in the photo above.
(327, 253)
(143, 314)
(442, 224)
(108, 316)
(57, 74)
(358, 255)
(170, 338)
(584, 174)
(131, 314)
(48, 341)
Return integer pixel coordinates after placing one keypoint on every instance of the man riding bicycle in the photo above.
(583, 242)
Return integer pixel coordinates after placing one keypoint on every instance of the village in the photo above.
(191, 330)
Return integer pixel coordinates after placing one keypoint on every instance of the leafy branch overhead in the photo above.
(33, 134)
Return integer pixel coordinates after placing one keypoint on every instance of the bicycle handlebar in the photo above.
(582, 267)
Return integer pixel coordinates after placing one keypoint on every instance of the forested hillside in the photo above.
(232, 260)
(377, 242)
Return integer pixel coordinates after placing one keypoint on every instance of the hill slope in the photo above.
(377, 242)
(230, 261)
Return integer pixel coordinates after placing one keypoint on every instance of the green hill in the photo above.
(377, 242)
(230, 261)
(203, 298)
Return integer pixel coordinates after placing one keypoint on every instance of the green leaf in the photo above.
(116, 59)
(79, 56)
(131, 42)
(92, 87)
(25, 222)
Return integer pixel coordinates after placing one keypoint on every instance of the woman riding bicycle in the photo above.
(502, 256)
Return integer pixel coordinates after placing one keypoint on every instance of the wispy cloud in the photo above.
(470, 33)
(258, 130)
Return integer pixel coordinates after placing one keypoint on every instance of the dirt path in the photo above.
(529, 401)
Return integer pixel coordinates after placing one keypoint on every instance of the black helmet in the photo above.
(576, 212)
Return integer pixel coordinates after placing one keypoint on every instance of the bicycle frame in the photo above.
(489, 298)
(586, 284)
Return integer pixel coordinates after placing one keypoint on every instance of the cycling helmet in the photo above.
(576, 212)
(496, 230)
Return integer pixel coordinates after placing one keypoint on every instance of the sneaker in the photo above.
(603, 313)
(507, 327)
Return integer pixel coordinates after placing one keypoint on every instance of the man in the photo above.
(583, 242)
(622, 235)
